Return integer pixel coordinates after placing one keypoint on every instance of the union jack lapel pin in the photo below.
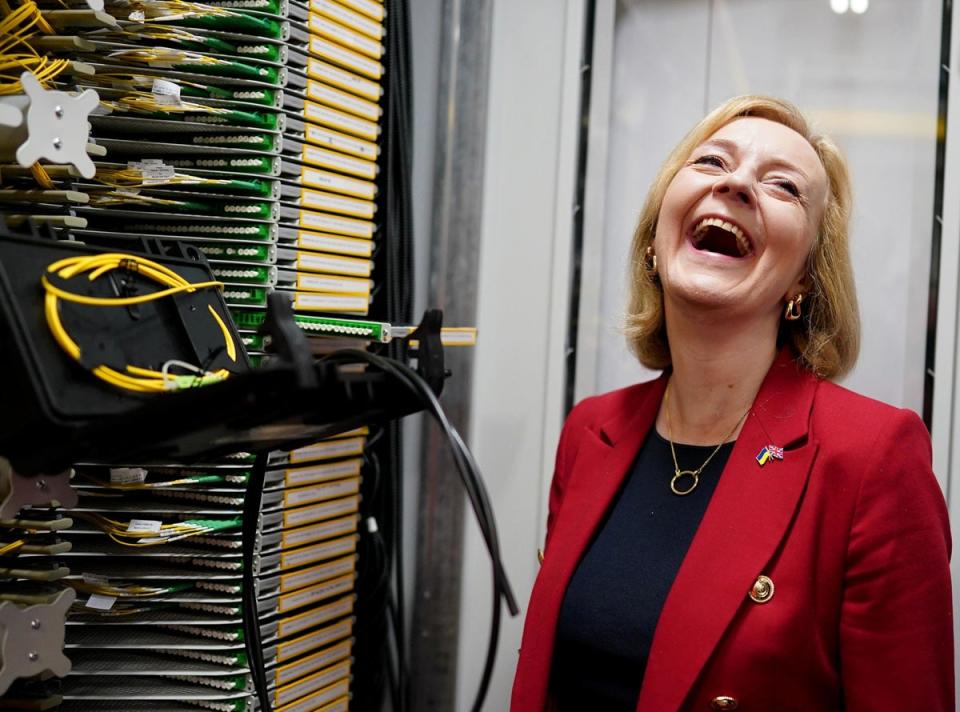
(770, 452)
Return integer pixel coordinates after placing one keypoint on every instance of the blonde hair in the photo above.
(827, 337)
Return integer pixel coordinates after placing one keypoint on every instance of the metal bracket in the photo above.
(18, 491)
(57, 126)
(31, 639)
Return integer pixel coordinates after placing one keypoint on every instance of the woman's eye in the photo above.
(790, 187)
(710, 160)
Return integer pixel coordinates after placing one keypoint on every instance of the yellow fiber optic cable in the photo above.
(132, 591)
(167, 10)
(121, 533)
(42, 177)
(16, 30)
(119, 197)
(142, 380)
(12, 547)
(163, 55)
(133, 178)
(146, 102)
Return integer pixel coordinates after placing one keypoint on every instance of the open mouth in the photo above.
(721, 237)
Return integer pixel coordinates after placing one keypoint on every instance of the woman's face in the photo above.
(739, 220)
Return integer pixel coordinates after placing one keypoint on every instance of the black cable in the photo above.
(396, 505)
(466, 465)
(473, 484)
(373, 465)
(251, 614)
(372, 630)
(396, 698)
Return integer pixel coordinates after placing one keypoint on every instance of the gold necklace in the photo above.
(679, 474)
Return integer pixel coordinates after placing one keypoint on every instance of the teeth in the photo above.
(743, 244)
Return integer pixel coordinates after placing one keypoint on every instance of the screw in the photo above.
(58, 110)
(57, 143)
(35, 624)
(41, 484)
(33, 656)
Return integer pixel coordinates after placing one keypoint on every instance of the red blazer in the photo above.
(850, 526)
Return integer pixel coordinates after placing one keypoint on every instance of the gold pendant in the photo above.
(679, 475)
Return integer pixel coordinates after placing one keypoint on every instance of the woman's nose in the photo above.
(734, 186)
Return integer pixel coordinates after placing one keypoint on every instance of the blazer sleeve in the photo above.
(896, 627)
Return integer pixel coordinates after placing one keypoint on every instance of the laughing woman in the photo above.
(742, 533)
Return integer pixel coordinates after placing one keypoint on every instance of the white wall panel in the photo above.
(523, 300)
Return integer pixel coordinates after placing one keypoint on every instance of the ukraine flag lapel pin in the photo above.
(770, 452)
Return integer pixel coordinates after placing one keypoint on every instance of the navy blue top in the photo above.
(617, 591)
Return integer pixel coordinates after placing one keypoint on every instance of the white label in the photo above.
(338, 265)
(299, 537)
(345, 245)
(298, 690)
(351, 19)
(95, 579)
(285, 651)
(127, 475)
(318, 473)
(335, 203)
(326, 450)
(316, 574)
(346, 57)
(158, 171)
(144, 525)
(368, 7)
(302, 556)
(315, 617)
(327, 72)
(100, 603)
(321, 221)
(164, 87)
(324, 137)
(322, 179)
(324, 115)
(306, 495)
(326, 510)
(348, 37)
(342, 100)
(308, 555)
(317, 593)
(137, 16)
(313, 663)
(319, 283)
(331, 302)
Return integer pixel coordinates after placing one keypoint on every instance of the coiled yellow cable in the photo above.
(16, 29)
(142, 380)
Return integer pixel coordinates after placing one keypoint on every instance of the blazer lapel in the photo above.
(745, 521)
(609, 455)
(602, 462)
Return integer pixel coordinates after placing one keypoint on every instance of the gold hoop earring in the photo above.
(793, 308)
(651, 260)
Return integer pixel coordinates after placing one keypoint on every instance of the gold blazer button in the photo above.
(724, 702)
(762, 590)
(540, 556)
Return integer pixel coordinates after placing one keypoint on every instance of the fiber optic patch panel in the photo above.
(254, 133)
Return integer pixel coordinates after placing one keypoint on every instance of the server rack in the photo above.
(271, 137)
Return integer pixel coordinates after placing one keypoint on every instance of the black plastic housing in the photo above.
(46, 392)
